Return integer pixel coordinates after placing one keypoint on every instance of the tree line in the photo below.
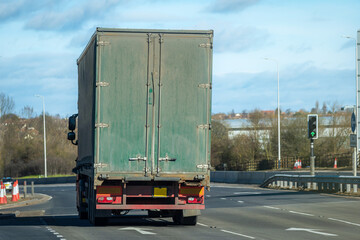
(22, 151)
(22, 142)
(257, 147)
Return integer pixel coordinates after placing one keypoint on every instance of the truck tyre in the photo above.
(100, 221)
(83, 215)
(179, 219)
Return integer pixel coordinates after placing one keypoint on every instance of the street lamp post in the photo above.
(278, 108)
(43, 101)
(357, 102)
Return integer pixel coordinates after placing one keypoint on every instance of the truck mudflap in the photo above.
(169, 196)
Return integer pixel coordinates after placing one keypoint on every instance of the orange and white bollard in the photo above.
(335, 163)
(3, 199)
(300, 164)
(15, 192)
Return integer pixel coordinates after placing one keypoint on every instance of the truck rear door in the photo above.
(184, 106)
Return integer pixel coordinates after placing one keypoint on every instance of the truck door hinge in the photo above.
(103, 43)
(206, 85)
(102, 84)
(101, 125)
(100, 165)
(205, 45)
(204, 126)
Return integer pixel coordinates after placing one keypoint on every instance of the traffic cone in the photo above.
(296, 164)
(3, 199)
(299, 164)
(335, 163)
(15, 191)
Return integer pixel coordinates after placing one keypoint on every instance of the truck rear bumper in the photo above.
(146, 207)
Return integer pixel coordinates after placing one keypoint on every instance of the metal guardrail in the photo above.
(334, 183)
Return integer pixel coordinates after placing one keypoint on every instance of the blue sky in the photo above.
(41, 40)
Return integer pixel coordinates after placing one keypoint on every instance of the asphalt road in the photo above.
(233, 212)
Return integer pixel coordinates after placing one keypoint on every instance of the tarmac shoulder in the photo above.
(37, 198)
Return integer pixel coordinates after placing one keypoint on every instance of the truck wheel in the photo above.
(179, 219)
(100, 221)
(190, 220)
(83, 215)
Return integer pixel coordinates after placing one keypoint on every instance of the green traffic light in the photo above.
(312, 134)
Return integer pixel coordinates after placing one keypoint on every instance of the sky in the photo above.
(42, 39)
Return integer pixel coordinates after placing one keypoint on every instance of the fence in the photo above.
(327, 161)
(347, 184)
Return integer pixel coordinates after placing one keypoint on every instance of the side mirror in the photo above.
(72, 122)
(71, 136)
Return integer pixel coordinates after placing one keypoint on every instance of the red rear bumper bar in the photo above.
(147, 206)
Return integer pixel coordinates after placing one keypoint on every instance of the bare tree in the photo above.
(7, 104)
(27, 112)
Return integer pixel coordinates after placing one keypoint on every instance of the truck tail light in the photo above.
(195, 200)
(109, 194)
(105, 199)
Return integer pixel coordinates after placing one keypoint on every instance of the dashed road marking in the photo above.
(301, 213)
(201, 224)
(240, 201)
(238, 234)
(247, 193)
(343, 221)
(272, 207)
(58, 235)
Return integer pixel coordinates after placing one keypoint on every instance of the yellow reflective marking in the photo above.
(192, 191)
(160, 192)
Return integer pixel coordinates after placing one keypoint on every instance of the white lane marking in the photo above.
(300, 213)
(247, 193)
(144, 231)
(223, 198)
(271, 207)
(55, 233)
(208, 196)
(338, 220)
(315, 231)
(201, 224)
(240, 201)
(238, 234)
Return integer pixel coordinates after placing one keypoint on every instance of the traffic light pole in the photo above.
(312, 157)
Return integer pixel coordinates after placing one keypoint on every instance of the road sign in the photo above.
(352, 140)
(353, 122)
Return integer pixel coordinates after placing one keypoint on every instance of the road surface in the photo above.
(232, 212)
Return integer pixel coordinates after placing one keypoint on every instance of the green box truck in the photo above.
(144, 112)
